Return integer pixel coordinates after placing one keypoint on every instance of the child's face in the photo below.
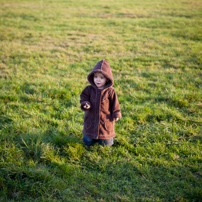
(100, 80)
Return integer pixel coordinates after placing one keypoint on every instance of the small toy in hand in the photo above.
(86, 106)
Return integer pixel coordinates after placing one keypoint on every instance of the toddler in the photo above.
(101, 106)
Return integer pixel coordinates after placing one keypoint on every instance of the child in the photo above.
(101, 106)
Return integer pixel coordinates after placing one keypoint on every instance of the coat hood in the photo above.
(104, 68)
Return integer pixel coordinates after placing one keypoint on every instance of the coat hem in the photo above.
(96, 138)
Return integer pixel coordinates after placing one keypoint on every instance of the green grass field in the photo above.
(47, 49)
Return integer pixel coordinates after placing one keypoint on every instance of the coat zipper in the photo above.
(99, 116)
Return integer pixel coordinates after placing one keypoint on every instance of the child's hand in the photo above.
(116, 119)
(86, 106)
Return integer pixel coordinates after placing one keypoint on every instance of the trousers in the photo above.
(89, 141)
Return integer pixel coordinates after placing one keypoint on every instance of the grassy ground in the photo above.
(47, 48)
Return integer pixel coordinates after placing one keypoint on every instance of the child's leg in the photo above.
(88, 141)
(108, 142)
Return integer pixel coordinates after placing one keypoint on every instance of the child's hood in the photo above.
(104, 68)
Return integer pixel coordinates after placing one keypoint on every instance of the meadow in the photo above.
(47, 49)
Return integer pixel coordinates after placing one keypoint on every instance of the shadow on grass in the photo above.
(5, 120)
(37, 164)
(53, 161)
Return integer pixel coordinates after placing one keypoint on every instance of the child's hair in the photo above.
(99, 73)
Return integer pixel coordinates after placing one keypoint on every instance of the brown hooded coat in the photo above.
(104, 106)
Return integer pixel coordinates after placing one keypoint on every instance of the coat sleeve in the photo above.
(115, 108)
(85, 98)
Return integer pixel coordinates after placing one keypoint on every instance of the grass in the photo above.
(47, 49)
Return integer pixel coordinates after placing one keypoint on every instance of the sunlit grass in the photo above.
(47, 49)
